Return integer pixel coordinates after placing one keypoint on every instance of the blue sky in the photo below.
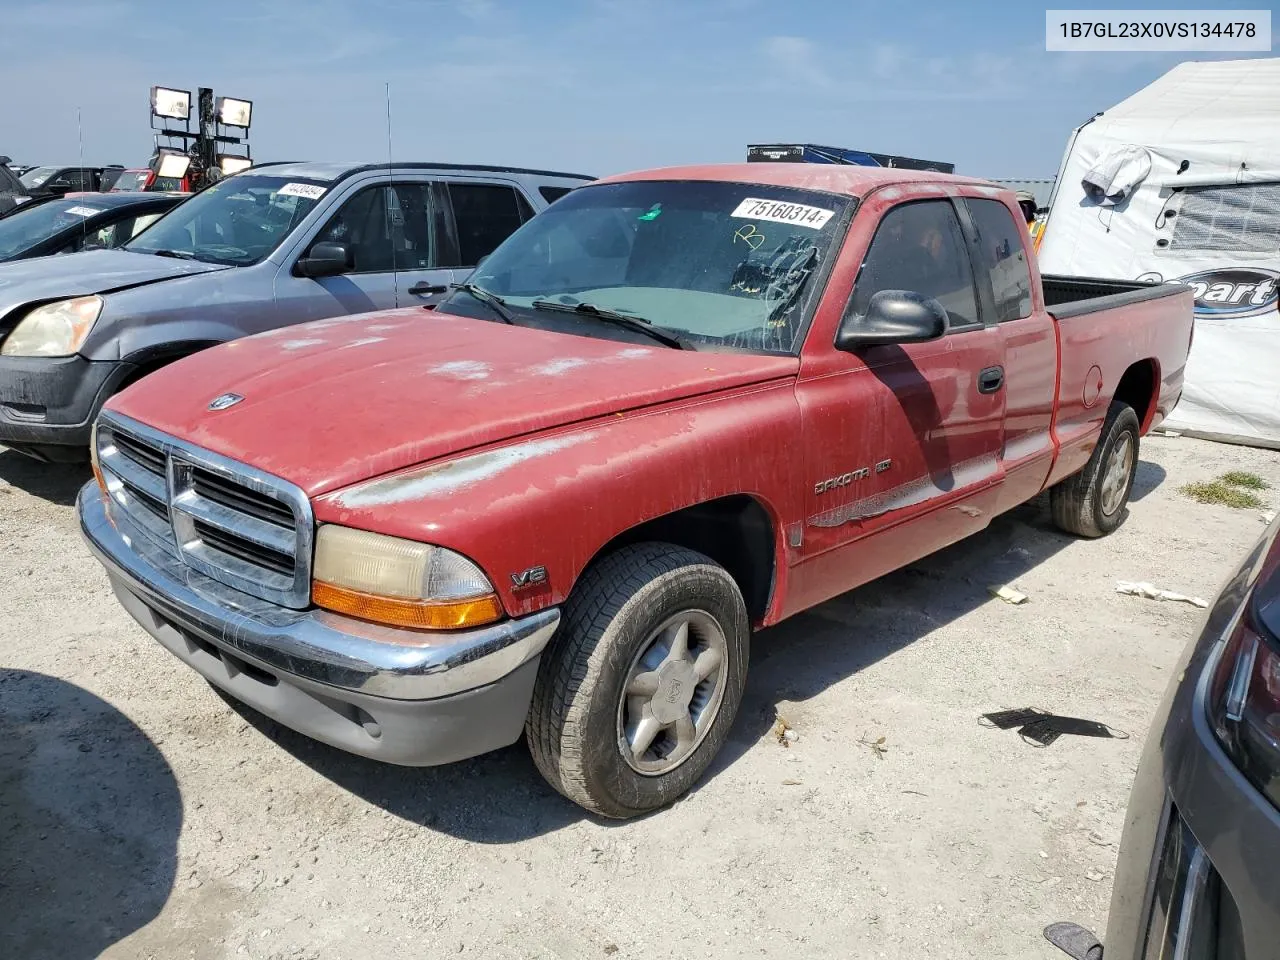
(592, 86)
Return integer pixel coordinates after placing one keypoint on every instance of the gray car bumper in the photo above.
(47, 403)
(401, 696)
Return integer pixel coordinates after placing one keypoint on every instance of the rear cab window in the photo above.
(1002, 257)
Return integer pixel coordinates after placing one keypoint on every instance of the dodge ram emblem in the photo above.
(224, 401)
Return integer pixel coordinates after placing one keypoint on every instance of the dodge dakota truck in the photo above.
(678, 406)
(275, 245)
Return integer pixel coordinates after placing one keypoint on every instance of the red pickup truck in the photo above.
(677, 406)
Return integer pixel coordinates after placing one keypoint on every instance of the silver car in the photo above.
(276, 245)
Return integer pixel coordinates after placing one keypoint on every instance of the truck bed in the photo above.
(1067, 297)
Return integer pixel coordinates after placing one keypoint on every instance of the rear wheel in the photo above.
(637, 691)
(1092, 502)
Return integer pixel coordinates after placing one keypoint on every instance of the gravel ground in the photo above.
(143, 816)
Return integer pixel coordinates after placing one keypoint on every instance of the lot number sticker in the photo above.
(308, 191)
(777, 211)
(81, 211)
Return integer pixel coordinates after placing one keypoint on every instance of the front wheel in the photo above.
(639, 687)
(1091, 503)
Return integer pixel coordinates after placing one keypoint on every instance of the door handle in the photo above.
(991, 379)
(422, 288)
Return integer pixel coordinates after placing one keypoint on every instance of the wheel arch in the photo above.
(739, 532)
(1139, 387)
(148, 360)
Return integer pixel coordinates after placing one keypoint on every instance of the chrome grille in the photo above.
(231, 522)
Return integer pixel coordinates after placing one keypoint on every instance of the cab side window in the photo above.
(919, 247)
(389, 227)
(364, 225)
(1003, 257)
(485, 214)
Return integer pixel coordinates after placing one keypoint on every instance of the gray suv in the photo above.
(276, 245)
(1198, 876)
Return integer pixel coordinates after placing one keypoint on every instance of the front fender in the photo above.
(210, 308)
(555, 499)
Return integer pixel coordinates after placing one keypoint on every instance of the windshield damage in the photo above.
(693, 265)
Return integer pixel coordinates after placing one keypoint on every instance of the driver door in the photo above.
(903, 442)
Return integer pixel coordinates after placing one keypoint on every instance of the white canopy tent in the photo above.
(1181, 181)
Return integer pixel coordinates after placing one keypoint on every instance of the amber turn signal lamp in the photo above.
(414, 614)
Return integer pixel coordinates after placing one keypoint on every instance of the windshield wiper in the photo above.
(625, 320)
(176, 254)
(491, 300)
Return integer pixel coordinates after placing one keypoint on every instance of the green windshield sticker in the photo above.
(654, 212)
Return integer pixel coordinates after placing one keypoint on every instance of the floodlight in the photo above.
(229, 165)
(234, 113)
(173, 164)
(170, 103)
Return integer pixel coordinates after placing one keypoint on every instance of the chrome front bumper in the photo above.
(404, 696)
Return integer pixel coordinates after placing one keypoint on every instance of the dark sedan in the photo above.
(82, 221)
(1199, 870)
(58, 181)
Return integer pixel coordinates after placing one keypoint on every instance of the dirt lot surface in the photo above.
(142, 816)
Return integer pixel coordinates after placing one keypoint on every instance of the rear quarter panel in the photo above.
(555, 499)
(1096, 349)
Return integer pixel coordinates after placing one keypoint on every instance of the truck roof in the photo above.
(334, 171)
(850, 180)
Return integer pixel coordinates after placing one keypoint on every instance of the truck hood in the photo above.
(78, 274)
(335, 402)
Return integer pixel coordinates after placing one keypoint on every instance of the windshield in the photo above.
(238, 221)
(23, 229)
(129, 181)
(722, 264)
(34, 178)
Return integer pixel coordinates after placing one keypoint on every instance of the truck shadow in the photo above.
(501, 798)
(90, 814)
(803, 656)
(56, 482)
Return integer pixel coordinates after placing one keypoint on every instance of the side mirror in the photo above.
(58, 187)
(325, 259)
(894, 316)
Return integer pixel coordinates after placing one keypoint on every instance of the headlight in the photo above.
(54, 330)
(399, 582)
(1244, 703)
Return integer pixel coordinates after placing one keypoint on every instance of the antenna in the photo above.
(392, 198)
(80, 139)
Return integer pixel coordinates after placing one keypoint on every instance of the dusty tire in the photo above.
(613, 627)
(1091, 503)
